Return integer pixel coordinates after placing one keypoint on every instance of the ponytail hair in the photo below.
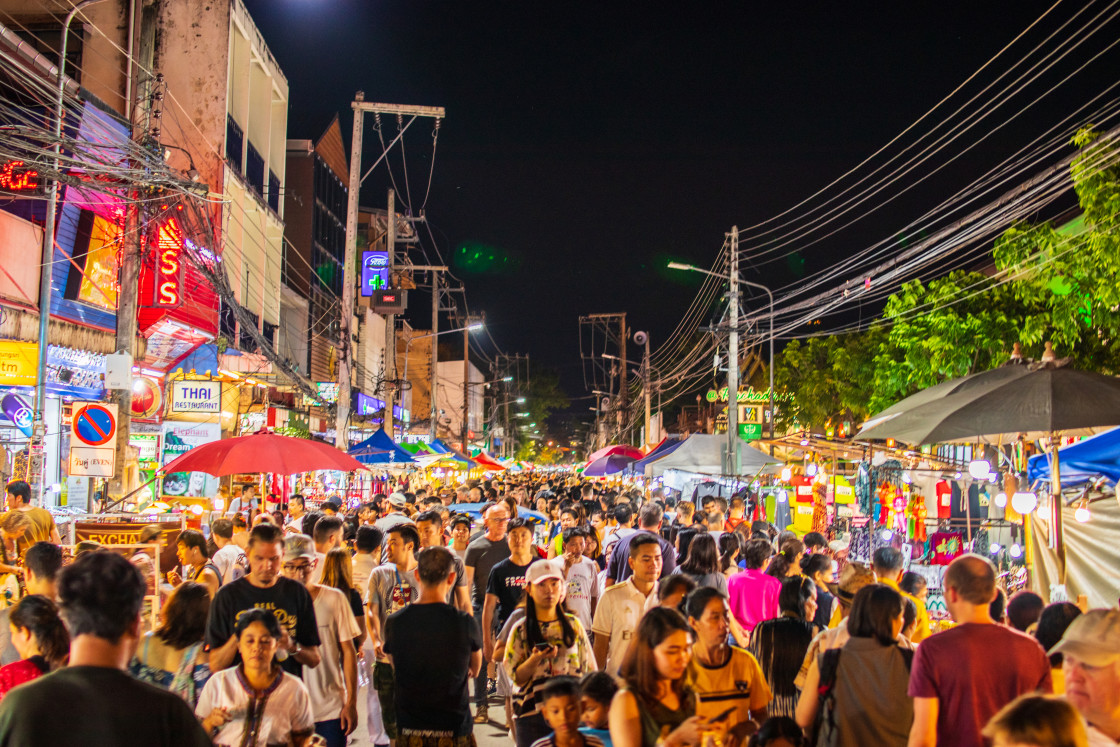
(784, 560)
(730, 547)
(39, 615)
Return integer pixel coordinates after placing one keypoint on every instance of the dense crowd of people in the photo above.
(583, 616)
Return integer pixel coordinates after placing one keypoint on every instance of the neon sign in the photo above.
(169, 262)
(15, 176)
(375, 272)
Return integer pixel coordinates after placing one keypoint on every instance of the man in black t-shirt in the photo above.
(486, 551)
(264, 587)
(94, 701)
(506, 585)
(436, 649)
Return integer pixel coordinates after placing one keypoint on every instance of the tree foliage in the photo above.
(1052, 284)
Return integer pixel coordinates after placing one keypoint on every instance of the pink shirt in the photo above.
(754, 597)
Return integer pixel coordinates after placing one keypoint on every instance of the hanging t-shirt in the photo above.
(507, 583)
(945, 546)
(802, 488)
(944, 491)
(325, 683)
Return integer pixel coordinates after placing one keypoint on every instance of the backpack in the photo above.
(824, 732)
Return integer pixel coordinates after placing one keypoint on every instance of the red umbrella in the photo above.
(263, 452)
(623, 450)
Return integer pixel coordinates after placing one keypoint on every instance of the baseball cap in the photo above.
(854, 577)
(541, 570)
(398, 499)
(1093, 638)
(298, 546)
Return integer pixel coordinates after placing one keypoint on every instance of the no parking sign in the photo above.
(94, 424)
(93, 435)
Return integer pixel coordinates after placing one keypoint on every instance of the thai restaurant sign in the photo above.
(196, 396)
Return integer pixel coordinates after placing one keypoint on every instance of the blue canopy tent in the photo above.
(665, 448)
(1082, 461)
(438, 446)
(382, 450)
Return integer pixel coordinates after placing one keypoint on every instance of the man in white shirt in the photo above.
(333, 685)
(230, 559)
(581, 575)
(1090, 650)
(328, 536)
(624, 518)
(397, 502)
(296, 511)
(620, 608)
(367, 555)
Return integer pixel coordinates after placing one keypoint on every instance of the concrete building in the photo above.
(449, 395)
(219, 107)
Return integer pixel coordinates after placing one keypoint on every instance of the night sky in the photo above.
(587, 143)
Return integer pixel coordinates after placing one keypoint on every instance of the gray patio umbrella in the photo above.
(1007, 403)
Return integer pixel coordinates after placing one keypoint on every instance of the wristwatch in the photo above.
(294, 651)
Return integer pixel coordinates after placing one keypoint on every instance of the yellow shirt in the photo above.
(921, 629)
(738, 683)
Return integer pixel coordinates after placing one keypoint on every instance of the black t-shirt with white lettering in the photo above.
(289, 600)
(507, 583)
(431, 645)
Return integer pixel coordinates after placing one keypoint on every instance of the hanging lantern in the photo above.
(1024, 502)
(1082, 513)
(980, 468)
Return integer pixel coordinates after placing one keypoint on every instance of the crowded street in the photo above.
(401, 374)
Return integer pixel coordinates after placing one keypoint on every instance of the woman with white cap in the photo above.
(549, 641)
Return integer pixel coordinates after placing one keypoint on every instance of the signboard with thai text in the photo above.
(196, 396)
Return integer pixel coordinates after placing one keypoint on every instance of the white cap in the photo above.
(543, 569)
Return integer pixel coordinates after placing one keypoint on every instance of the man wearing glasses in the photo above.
(264, 587)
(333, 685)
(482, 555)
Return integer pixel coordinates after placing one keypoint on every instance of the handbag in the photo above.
(824, 733)
(183, 684)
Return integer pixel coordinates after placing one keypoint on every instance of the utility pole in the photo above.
(433, 423)
(466, 386)
(390, 320)
(360, 107)
(623, 388)
(733, 359)
(342, 406)
(132, 245)
(645, 387)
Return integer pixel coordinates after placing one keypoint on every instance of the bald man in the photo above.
(961, 677)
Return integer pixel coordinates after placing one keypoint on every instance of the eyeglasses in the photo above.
(297, 567)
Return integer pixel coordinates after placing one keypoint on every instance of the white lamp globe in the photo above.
(979, 468)
(1024, 503)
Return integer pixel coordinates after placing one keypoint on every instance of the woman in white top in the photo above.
(255, 702)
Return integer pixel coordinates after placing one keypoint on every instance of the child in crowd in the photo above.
(561, 700)
(596, 690)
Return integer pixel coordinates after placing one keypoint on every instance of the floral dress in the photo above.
(576, 661)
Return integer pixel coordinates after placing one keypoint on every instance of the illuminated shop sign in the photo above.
(16, 176)
(169, 261)
(375, 272)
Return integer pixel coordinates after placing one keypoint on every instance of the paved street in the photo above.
(487, 735)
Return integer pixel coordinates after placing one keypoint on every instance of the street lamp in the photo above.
(734, 280)
(433, 425)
